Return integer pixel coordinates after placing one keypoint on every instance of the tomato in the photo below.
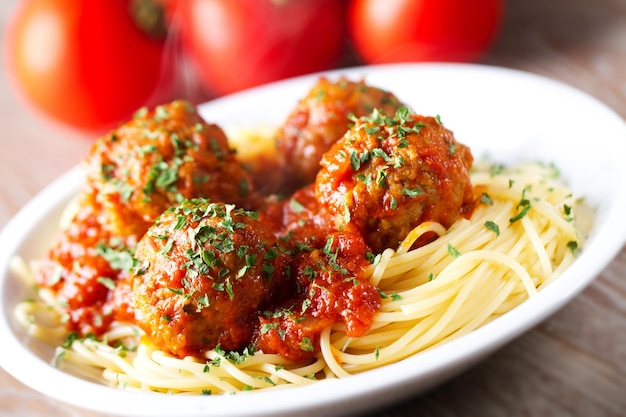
(236, 44)
(85, 64)
(385, 31)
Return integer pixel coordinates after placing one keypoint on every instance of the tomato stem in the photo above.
(149, 16)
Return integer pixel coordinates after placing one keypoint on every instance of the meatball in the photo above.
(206, 270)
(319, 120)
(388, 174)
(157, 159)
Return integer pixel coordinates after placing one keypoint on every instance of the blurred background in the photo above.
(72, 69)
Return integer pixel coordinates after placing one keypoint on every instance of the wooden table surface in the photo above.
(573, 364)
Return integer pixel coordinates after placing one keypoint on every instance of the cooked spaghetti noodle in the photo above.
(522, 235)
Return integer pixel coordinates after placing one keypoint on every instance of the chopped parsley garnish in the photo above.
(411, 193)
(118, 256)
(454, 252)
(524, 204)
(107, 282)
(396, 297)
(490, 225)
(485, 199)
(306, 345)
(296, 206)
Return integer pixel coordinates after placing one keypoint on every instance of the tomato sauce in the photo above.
(81, 270)
(332, 287)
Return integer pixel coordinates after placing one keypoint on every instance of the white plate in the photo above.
(511, 115)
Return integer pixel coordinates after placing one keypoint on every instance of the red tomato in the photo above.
(236, 44)
(84, 63)
(423, 30)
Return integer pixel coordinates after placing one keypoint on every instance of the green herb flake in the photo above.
(355, 162)
(107, 282)
(107, 171)
(202, 303)
(267, 327)
(486, 199)
(177, 291)
(496, 169)
(56, 276)
(396, 297)
(567, 209)
(490, 225)
(372, 130)
(380, 153)
(520, 215)
(525, 204)
(71, 337)
(411, 193)
(229, 290)
(118, 258)
(454, 252)
(296, 206)
(306, 345)
(381, 177)
(166, 248)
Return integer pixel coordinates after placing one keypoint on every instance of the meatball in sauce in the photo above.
(389, 173)
(207, 269)
(159, 158)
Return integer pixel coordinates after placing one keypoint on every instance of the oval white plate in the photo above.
(510, 115)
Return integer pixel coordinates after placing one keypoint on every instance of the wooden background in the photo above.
(573, 364)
